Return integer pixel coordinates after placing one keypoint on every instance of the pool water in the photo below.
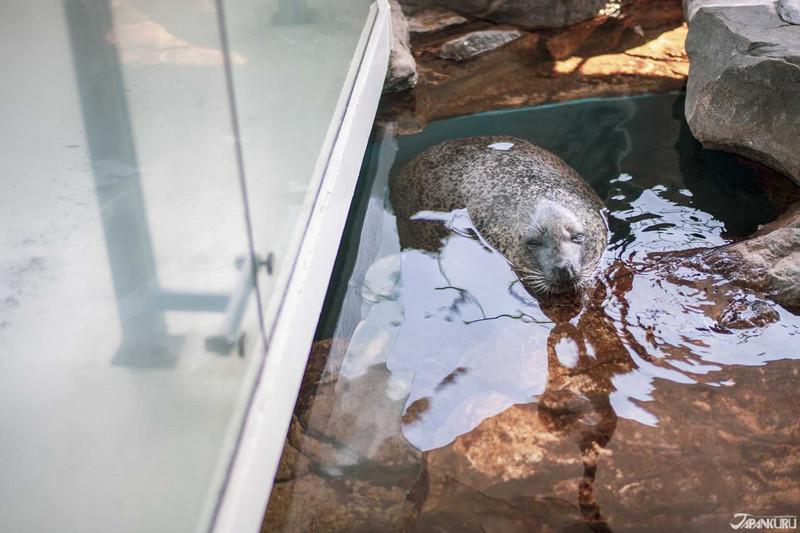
(441, 396)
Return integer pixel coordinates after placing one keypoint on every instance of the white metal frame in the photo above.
(244, 498)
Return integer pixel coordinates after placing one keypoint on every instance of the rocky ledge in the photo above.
(767, 262)
(743, 94)
(473, 56)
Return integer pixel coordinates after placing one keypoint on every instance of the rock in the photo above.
(476, 43)
(743, 93)
(661, 57)
(511, 473)
(324, 455)
(373, 434)
(715, 450)
(746, 314)
(402, 72)
(433, 20)
(768, 262)
(293, 464)
(789, 10)
(532, 14)
(640, 51)
(566, 43)
(318, 504)
(691, 7)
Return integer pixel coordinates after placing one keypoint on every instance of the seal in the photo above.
(525, 202)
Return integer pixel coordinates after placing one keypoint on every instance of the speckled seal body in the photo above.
(525, 201)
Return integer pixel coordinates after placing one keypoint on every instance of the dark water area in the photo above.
(444, 397)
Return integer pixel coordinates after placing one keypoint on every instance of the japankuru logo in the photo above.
(751, 521)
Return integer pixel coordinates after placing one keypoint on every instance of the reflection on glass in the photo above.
(297, 57)
(129, 327)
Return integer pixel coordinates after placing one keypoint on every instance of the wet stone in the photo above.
(316, 504)
(768, 262)
(293, 464)
(477, 43)
(360, 413)
(743, 314)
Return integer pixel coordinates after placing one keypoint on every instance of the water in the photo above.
(452, 400)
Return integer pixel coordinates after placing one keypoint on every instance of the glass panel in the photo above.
(291, 63)
(129, 327)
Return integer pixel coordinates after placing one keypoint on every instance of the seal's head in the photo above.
(553, 251)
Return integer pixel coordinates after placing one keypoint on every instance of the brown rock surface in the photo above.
(345, 465)
(566, 462)
(638, 50)
(768, 262)
(313, 504)
(359, 413)
(716, 451)
(433, 20)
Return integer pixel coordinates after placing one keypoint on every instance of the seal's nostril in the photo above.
(564, 273)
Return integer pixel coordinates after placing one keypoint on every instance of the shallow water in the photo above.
(665, 400)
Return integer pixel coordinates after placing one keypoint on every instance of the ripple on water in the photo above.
(663, 401)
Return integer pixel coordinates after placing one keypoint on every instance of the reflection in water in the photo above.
(614, 411)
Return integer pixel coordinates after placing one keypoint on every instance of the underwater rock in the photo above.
(339, 414)
(745, 314)
(743, 93)
(714, 452)
(433, 20)
(318, 504)
(737, 445)
(293, 464)
(769, 261)
(402, 72)
(476, 43)
(324, 455)
(511, 473)
(352, 427)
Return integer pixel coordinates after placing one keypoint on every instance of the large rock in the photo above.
(526, 13)
(402, 73)
(769, 261)
(743, 92)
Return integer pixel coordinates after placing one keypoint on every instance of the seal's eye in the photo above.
(578, 237)
(533, 242)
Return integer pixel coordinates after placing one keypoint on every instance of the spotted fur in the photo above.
(500, 190)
